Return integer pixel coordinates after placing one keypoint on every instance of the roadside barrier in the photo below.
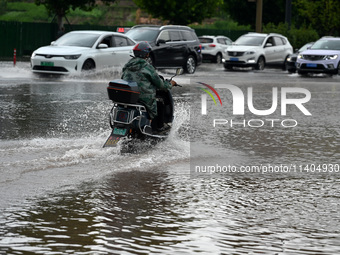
(15, 57)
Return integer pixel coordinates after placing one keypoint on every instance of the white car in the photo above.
(213, 47)
(77, 51)
(257, 50)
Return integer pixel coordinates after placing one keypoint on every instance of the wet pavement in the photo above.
(62, 193)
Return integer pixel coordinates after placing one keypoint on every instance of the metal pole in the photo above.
(289, 12)
(259, 6)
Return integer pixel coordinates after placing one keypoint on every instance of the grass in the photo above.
(24, 12)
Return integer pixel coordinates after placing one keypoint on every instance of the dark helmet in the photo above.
(142, 49)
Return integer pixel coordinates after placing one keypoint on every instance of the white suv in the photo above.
(256, 50)
(213, 47)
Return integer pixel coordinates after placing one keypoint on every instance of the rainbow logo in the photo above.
(209, 93)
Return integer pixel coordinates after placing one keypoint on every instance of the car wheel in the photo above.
(218, 58)
(190, 65)
(284, 66)
(338, 73)
(88, 65)
(260, 64)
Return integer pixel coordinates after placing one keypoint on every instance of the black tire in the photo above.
(284, 66)
(218, 58)
(260, 63)
(190, 65)
(88, 65)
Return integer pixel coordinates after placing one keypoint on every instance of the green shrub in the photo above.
(301, 36)
(95, 13)
(220, 24)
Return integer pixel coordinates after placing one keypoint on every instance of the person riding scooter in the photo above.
(138, 69)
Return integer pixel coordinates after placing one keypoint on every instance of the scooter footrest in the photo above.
(147, 129)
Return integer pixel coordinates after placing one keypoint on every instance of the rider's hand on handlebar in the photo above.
(173, 83)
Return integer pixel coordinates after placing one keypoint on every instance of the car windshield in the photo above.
(77, 39)
(326, 45)
(205, 40)
(305, 47)
(250, 40)
(142, 34)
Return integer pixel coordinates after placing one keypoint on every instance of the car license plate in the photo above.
(47, 63)
(233, 59)
(112, 141)
(202, 47)
(312, 65)
(119, 131)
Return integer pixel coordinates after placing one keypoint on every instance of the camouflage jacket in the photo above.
(140, 71)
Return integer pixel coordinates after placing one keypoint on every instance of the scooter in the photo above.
(129, 118)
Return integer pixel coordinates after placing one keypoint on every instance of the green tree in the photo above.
(3, 6)
(244, 12)
(323, 15)
(180, 12)
(296, 36)
(61, 7)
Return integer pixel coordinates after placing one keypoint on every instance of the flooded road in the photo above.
(62, 193)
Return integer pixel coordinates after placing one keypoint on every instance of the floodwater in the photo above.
(62, 193)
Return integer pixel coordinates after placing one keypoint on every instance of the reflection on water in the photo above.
(311, 139)
(62, 193)
(164, 211)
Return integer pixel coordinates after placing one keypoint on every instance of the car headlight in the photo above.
(300, 56)
(250, 53)
(331, 57)
(33, 54)
(72, 56)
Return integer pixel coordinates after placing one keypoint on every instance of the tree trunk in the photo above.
(61, 28)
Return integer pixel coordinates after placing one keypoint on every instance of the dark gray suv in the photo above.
(172, 46)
